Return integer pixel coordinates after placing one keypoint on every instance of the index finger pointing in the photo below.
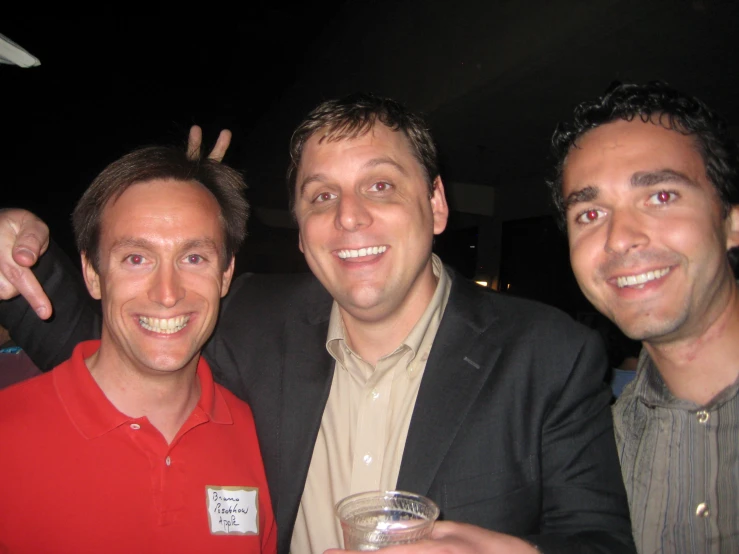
(21, 280)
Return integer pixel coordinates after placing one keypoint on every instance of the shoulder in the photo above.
(529, 344)
(27, 402)
(636, 429)
(513, 317)
(258, 307)
(273, 284)
(240, 410)
(262, 294)
(626, 410)
(20, 392)
(242, 432)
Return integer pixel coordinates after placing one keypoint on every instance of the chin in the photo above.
(650, 329)
(363, 299)
(169, 365)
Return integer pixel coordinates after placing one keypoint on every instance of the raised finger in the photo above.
(194, 142)
(222, 144)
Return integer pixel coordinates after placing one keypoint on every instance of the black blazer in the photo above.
(511, 430)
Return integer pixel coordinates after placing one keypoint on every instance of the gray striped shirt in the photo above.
(680, 464)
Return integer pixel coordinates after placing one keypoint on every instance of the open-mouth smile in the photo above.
(361, 252)
(166, 326)
(640, 279)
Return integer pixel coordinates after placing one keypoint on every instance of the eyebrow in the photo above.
(651, 178)
(638, 179)
(369, 164)
(374, 162)
(587, 194)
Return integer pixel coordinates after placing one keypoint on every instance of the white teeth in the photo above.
(164, 326)
(641, 278)
(369, 251)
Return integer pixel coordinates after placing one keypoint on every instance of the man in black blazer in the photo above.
(508, 429)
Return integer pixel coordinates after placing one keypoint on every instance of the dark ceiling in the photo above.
(493, 77)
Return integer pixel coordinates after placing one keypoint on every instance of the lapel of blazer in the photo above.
(307, 372)
(457, 368)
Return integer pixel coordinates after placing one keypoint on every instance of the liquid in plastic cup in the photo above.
(374, 520)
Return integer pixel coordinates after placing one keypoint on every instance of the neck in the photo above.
(698, 368)
(374, 338)
(165, 399)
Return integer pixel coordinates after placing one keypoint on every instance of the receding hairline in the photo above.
(133, 241)
(337, 136)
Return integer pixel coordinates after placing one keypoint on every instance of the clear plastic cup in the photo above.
(374, 520)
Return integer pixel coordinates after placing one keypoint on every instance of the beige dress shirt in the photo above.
(365, 423)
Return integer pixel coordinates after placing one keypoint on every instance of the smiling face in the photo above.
(367, 223)
(647, 237)
(161, 276)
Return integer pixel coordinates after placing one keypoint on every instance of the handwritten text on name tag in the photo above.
(233, 510)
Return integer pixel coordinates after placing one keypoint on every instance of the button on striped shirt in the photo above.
(680, 464)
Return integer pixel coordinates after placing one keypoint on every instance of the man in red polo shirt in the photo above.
(129, 446)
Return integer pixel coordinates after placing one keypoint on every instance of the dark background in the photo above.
(493, 79)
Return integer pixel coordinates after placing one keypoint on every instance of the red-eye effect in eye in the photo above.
(592, 215)
(323, 197)
(380, 186)
(663, 196)
(136, 259)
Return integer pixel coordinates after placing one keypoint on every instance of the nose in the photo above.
(352, 213)
(625, 232)
(166, 288)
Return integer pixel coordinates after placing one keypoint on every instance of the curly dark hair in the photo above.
(659, 103)
(352, 117)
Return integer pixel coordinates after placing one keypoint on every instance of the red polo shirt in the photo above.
(77, 475)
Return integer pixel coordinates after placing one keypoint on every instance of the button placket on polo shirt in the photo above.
(172, 468)
(152, 445)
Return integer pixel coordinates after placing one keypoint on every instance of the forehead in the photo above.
(322, 149)
(615, 151)
(163, 206)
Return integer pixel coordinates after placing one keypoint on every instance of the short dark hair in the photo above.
(353, 116)
(161, 162)
(660, 104)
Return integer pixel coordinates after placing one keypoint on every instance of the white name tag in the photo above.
(233, 510)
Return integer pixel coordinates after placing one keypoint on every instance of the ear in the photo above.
(732, 228)
(227, 276)
(92, 279)
(439, 207)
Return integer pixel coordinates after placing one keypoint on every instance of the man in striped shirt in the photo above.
(646, 185)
